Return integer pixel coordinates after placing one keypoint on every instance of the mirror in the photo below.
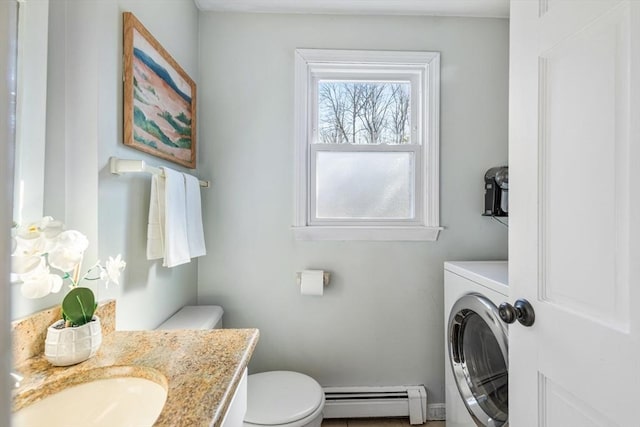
(31, 109)
(31, 115)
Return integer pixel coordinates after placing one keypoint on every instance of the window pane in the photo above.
(360, 112)
(364, 185)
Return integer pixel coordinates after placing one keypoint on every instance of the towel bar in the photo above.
(119, 166)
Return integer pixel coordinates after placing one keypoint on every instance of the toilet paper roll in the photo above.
(312, 282)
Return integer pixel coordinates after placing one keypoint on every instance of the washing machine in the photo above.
(477, 348)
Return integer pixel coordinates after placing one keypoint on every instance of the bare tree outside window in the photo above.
(361, 112)
(400, 114)
(333, 114)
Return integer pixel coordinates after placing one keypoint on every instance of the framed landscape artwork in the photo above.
(159, 98)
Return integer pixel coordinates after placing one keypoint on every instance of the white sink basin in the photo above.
(109, 402)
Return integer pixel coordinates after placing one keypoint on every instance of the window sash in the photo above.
(364, 75)
(418, 198)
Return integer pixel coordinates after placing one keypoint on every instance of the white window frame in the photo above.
(423, 70)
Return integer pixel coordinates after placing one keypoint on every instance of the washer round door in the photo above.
(479, 355)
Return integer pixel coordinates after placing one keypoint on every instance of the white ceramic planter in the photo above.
(68, 346)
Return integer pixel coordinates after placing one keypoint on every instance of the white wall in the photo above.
(8, 31)
(152, 292)
(381, 319)
(84, 129)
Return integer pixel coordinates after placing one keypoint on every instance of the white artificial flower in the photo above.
(35, 269)
(47, 226)
(27, 254)
(73, 240)
(39, 282)
(25, 264)
(30, 246)
(68, 251)
(43, 244)
(31, 231)
(112, 270)
(37, 238)
(64, 259)
(50, 227)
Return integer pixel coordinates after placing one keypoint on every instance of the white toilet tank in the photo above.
(195, 317)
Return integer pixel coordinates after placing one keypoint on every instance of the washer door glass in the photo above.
(479, 358)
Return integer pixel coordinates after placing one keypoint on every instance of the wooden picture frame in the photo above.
(159, 98)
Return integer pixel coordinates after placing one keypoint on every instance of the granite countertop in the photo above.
(201, 370)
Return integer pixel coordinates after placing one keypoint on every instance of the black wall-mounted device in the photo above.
(496, 191)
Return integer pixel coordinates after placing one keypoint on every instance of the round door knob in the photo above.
(521, 310)
(507, 313)
(524, 312)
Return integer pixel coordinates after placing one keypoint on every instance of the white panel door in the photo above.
(574, 241)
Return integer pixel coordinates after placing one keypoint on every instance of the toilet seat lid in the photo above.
(281, 397)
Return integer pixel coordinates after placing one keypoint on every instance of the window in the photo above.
(366, 145)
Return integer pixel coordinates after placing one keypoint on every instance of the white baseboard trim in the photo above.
(374, 402)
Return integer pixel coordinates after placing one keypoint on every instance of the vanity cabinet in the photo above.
(238, 406)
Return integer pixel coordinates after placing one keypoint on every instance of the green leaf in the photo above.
(78, 306)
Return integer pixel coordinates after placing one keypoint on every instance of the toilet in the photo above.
(275, 398)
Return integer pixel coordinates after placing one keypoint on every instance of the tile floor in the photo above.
(376, 422)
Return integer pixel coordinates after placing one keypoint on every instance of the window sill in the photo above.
(409, 233)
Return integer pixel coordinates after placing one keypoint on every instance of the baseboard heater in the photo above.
(361, 402)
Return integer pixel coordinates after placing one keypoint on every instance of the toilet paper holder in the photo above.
(325, 278)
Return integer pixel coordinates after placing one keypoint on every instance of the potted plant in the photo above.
(46, 245)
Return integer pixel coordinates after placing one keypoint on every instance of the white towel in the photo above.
(176, 244)
(155, 227)
(195, 232)
(175, 232)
